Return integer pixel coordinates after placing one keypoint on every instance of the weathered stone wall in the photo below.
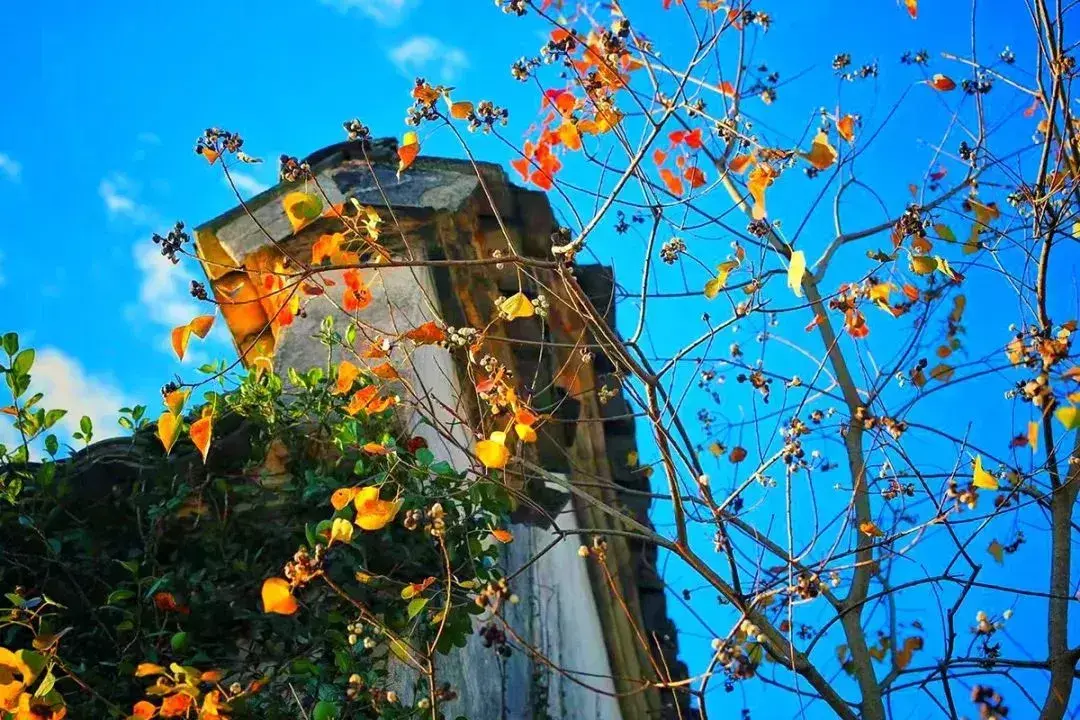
(442, 210)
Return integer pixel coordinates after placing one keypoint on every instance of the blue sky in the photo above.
(110, 98)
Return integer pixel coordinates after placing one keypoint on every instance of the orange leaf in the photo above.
(760, 178)
(822, 155)
(942, 83)
(357, 295)
(379, 405)
(845, 127)
(659, 156)
(168, 429)
(200, 432)
(427, 334)
(373, 513)
(525, 432)
(201, 325)
(374, 448)
(727, 88)
(343, 496)
(175, 400)
(694, 176)
(737, 455)
(144, 710)
(361, 399)
(870, 529)
(461, 110)
(407, 151)
(674, 184)
(568, 134)
(503, 536)
(346, 376)
(277, 597)
(739, 163)
(386, 371)
(210, 154)
(912, 8)
(180, 336)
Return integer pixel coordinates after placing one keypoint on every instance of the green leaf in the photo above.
(416, 606)
(52, 445)
(180, 642)
(23, 361)
(325, 710)
(46, 686)
(119, 596)
(87, 427)
(52, 416)
(11, 343)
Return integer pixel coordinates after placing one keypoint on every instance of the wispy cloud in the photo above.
(10, 168)
(67, 385)
(246, 184)
(384, 12)
(119, 195)
(425, 55)
(163, 291)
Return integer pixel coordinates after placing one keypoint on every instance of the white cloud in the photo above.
(384, 12)
(68, 386)
(424, 55)
(163, 291)
(119, 195)
(10, 167)
(246, 184)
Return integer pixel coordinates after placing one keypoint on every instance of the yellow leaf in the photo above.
(982, 479)
(796, 271)
(200, 433)
(525, 433)
(822, 155)
(760, 178)
(301, 208)
(870, 529)
(997, 551)
(407, 151)
(277, 597)
(716, 449)
(373, 513)
(1033, 435)
(1069, 417)
(923, 264)
(201, 325)
(168, 430)
(341, 530)
(175, 400)
(716, 284)
(516, 306)
(492, 452)
(632, 459)
(503, 536)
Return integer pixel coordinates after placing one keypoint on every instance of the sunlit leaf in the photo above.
(373, 513)
(845, 128)
(168, 430)
(301, 208)
(407, 151)
(201, 431)
(759, 179)
(277, 597)
(503, 536)
(492, 452)
(912, 8)
(796, 272)
(516, 306)
(923, 264)
(717, 283)
(942, 83)
(822, 155)
(346, 376)
(461, 110)
(1033, 435)
(427, 334)
(1068, 416)
(981, 478)
(525, 433)
(870, 529)
(341, 530)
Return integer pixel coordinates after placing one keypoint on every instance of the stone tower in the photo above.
(437, 216)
